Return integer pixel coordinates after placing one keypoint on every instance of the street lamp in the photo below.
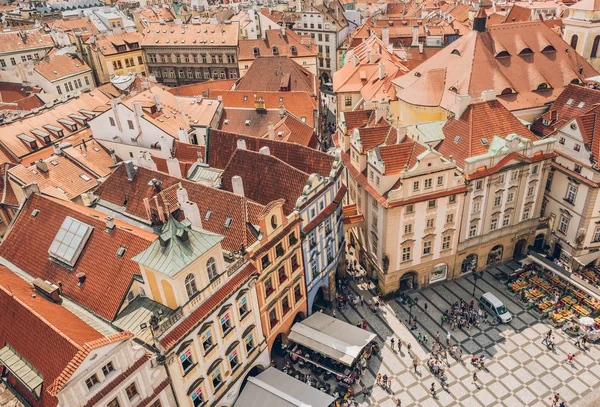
(411, 303)
(476, 276)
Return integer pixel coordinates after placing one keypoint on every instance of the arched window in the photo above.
(211, 267)
(594, 53)
(190, 285)
(293, 49)
(275, 50)
(574, 40)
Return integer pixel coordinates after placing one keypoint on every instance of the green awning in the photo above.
(20, 368)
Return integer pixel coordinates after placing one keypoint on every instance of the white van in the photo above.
(494, 306)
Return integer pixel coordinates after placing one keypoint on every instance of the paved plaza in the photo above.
(521, 371)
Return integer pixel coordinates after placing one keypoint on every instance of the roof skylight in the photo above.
(70, 241)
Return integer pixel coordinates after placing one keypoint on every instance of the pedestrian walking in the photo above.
(584, 342)
(415, 364)
(437, 336)
(362, 300)
(425, 340)
(475, 379)
(425, 306)
(384, 380)
(399, 345)
(448, 336)
(398, 402)
(379, 378)
(364, 393)
(459, 353)
(333, 313)
(555, 400)
(578, 341)
(432, 388)
(408, 346)
(392, 341)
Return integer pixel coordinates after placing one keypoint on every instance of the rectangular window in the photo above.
(534, 170)
(297, 293)
(577, 147)
(563, 225)
(494, 224)
(197, 397)
(506, 220)
(446, 242)
(279, 250)
(281, 274)
(430, 223)
(107, 369)
(243, 307)
(571, 194)
(113, 403)
(416, 186)
(234, 360)
(87, 80)
(112, 121)
(440, 181)
(13, 62)
(514, 175)
(549, 181)
(479, 185)
(428, 183)
(530, 191)
(92, 381)
(497, 200)
(596, 235)
(408, 228)
(452, 199)
(268, 287)
(130, 124)
(3, 63)
(406, 255)
(501, 179)
(348, 101)
(265, 261)
(249, 340)
(207, 339)
(577, 168)
(294, 262)
(226, 324)
(431, 204)
(216, 378)
(186, 360)
(476, 207)
(473, 230)
(561, 141)
(509, 197)
(526, 212)
(131, 391)
(285, 305)
(273, 317)
(427, 248)
(410, 209)
(58, 89)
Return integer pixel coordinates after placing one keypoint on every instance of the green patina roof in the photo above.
(177, 247)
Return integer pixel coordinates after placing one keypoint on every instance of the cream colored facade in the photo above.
(501, 213)
(209, 362)
(571, 200)
(582, 31)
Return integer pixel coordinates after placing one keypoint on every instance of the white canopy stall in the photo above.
(331, 337)
(273, 388)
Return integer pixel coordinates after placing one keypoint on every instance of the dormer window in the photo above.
(255, 51)
(549, 48)
(543, 86)
(455, 52)
(502, 54)
(546, 122)
(525, 51)
(507, 91)
(293, 49)
(453, 89)
(275, 50)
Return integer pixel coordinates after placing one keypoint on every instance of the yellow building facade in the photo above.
(116, 55)
(582, 31)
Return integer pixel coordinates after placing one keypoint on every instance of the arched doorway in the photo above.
(439, 273)
(299, 317)
(409, 281)
(255, 371)
(520, 247)
(277, 351)
(319, 301)
(539, 242)
(469, 263)
(495, 255)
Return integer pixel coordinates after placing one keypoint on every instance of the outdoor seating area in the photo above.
(562, 302)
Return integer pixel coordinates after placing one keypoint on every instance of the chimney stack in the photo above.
(381, 70)
(192, 213)
(480, 20)
(281, 111)
(488, 95)
(173, 167)
(462, 103)
(415, 36)
(165, 148)
(241, 144)
(41, 165)
(130, 170)
(385, 35)
(110, 224)
(265, 150)
(31, 189)
(238, 185)
(182, 195)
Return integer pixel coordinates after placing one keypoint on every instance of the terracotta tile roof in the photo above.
(154, 15)
(91, 156)
(189, 153)
(30, 102)
(107, 276)
(58, 332)
(374, 136)
(146, 402)
(117, 190)
(273, 74)
(274, 38)
(329, 209)
(518, 14)
(266, 178)
(197, 89)
(255, 123)
(484, 171)
(222, 145)
(202, 36)
(356, 119)
(482, 120)
(471, 67)
(108, 45)
(12, 41)
(398, 156)
(572, 102)
(13, 92)
(64, 178)
(56, 67)
(9, 132)
(210, 304)
(8, 196)
(82, 26)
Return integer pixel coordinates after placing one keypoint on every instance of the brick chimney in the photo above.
(237, 184)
